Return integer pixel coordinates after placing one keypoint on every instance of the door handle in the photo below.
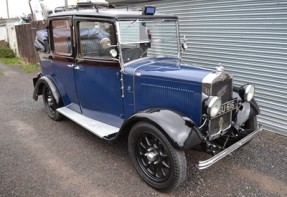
(77, 67)
(70, 65)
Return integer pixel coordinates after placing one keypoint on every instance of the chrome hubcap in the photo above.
(50, 101)
(151, 156)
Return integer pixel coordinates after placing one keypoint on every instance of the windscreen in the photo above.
(140, 39)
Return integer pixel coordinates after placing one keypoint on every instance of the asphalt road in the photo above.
(41, 157)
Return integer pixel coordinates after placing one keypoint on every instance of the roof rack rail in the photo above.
(84, 5)
(63, 8)
(93, 5)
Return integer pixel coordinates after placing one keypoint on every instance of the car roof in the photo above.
(118, 14)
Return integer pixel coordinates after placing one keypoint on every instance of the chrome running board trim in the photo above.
(209, 162)
(96, 127)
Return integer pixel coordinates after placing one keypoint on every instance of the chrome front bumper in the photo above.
(209, 162)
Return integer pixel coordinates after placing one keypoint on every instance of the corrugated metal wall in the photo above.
(249, 38)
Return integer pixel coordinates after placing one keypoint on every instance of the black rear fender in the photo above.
(47, 81)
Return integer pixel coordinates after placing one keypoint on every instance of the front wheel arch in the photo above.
(178, 129)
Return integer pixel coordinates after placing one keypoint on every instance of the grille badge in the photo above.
(222, 91)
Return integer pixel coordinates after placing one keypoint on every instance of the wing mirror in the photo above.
(105, 43)
(184, 45)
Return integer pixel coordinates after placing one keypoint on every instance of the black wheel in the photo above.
(156, 160)
(50, 104)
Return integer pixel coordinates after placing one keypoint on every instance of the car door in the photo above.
(63, 60)
(97, 73)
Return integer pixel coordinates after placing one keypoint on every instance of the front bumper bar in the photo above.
(209, 162)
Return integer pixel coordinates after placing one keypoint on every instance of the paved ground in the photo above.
(40, 157)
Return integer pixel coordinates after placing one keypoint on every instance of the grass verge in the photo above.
(11, 61)
(28, 68)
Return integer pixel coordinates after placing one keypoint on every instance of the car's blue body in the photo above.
(164, 83)
(149, 83)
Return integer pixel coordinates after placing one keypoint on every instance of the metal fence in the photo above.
(25, 38)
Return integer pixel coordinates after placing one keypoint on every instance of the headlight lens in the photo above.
(213, 105)
(249, 92)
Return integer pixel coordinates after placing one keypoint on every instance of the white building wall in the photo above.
(3, 33)
(12, 38)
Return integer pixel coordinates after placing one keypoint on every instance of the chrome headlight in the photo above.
(247, 92)
(213, 105)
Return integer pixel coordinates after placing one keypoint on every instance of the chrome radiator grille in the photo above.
(221, 86)
(222, 89)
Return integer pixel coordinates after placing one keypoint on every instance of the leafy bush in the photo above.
(4, 43)
(6, 52)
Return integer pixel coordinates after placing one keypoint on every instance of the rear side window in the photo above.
(96, 39)
(62, 37)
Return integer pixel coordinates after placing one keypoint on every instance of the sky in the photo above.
(18, 7)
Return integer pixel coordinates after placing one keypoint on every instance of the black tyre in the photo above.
(159, 164)
(50, 104)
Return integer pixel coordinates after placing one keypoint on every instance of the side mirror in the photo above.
(113, 53)
(40, 47)
(105, 43)
(184, 45)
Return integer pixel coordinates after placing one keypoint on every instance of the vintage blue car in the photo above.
(120, 72)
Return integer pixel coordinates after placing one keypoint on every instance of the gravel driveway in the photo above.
(41, 157)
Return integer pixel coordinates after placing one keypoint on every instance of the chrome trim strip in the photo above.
(121, 60)
(209, 162)
(178, 40)
(119, 45)
(137, 60)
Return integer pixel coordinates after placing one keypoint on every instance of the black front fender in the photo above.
(179, 130)
(39, 83)
(247, 109)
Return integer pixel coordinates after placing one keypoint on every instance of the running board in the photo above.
(96, 127)
(209, 162)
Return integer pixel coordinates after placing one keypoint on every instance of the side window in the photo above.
(62, 41)
(96, 39)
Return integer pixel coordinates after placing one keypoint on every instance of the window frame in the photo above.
(79, 55)
(51, 32)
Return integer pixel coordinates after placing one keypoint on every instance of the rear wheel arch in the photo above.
(47, 81)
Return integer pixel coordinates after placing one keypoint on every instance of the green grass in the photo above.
(11, 61)
(30, 68)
